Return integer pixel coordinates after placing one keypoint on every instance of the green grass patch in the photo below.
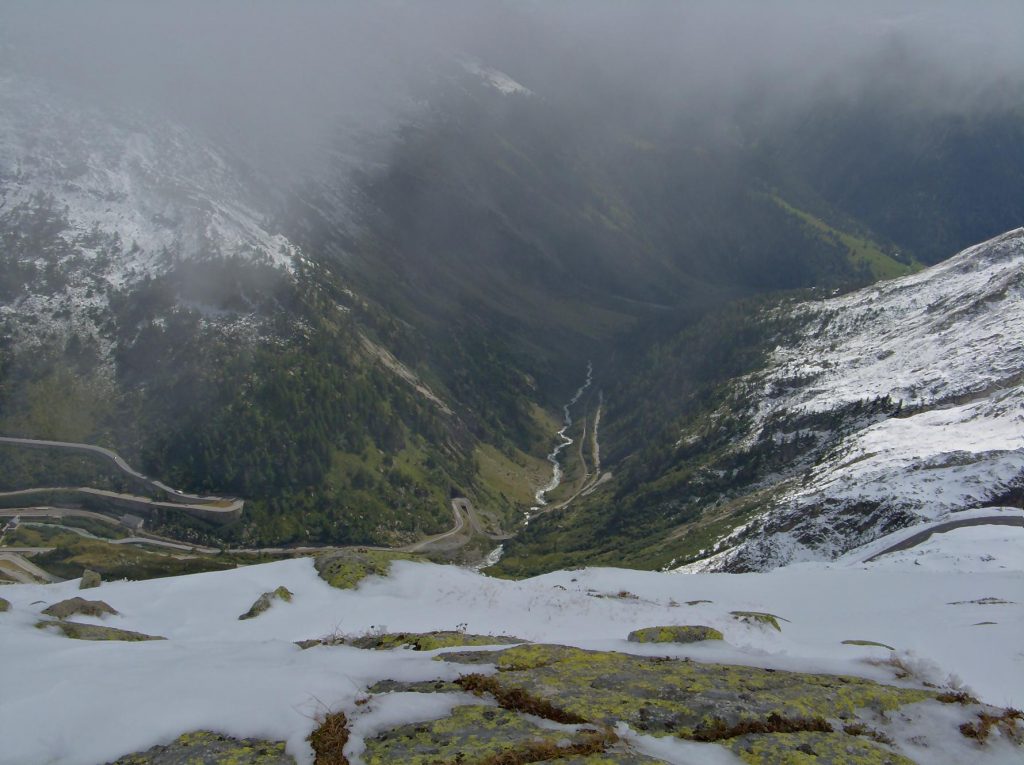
(863, 251)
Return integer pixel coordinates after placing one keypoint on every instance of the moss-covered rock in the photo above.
(4, 605)
(679, 697)
(814, 749)
(345, 569)
(78, 606)
(266, 600)
(422, 686)
(90, 579)
(480, 735)
(78, 631)
(427, 641)
(758, 617)
(205, 748)
(674, 634)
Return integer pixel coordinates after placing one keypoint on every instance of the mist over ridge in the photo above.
(277, 79)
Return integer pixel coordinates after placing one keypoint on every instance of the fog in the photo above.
(279, 77)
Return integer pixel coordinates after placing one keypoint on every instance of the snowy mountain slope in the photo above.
(68, 701)
(93, 200)
(950, 330)
(914, 388)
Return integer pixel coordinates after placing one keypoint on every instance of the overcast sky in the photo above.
(291, 71)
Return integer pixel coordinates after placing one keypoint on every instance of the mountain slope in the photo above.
(809, 428)
(946, 348)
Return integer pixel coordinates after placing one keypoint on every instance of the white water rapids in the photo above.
(564, 441)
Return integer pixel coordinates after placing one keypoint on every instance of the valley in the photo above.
(507, 382)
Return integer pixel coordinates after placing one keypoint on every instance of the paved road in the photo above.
(174, 494)
(218, 506)
(915, 539)
(460, 506)
(459, 525)
(30, 573)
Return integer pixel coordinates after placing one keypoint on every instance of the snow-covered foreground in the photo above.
(69, 701)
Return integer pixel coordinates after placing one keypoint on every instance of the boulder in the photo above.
(674, 634)
(211, 749)
(78, 606)
(266, 600)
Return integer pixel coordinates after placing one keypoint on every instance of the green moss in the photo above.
(758, 617)
(345, 569)
(674, 634)
(78, 631)
(266, 600)
(813, 749)
(483, 734)
(5, 605)
(868, 642)
(283, 593)
(667, 696)
(211, 749)
(428, 641)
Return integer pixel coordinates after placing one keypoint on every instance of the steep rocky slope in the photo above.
(942, 354)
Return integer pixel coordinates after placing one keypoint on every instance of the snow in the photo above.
(934, 462)
(494, 78)
(76, 702)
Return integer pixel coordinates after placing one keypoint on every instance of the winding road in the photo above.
(210, 507)
(915, 539)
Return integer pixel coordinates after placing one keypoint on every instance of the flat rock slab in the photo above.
(679, 697)
(205, 748)
(480, 734)
(79, 631)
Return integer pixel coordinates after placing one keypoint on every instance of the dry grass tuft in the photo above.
(588, 743)
(1006, 723)
(329, 739)
(956, 697)
(776, 723)
(516, 699)
(860, 729)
